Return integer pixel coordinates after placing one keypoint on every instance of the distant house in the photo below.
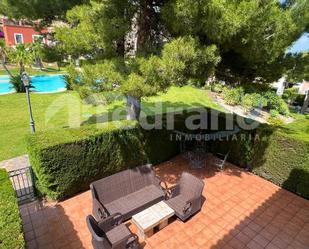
(21, 32)
(304, 87)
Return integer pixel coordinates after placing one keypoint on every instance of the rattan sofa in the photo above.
(127, 192)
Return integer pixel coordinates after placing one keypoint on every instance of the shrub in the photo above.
(277, 103)
(274, 113)
(71, 78)
(255, 87)
(275, 121)
(217, 87)
(248, 102)
(290, 94)
(18, 85)
(11, 235)
(283, 158)
(66, 161)
(233, 96)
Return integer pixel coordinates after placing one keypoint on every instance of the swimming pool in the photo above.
(41, 83)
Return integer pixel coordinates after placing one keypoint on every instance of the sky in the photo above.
(302, 44)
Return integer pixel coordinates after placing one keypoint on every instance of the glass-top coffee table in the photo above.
(155, 216)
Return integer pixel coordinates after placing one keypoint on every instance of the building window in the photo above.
(19, 38)
(37, 38)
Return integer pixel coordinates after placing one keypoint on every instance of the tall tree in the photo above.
(251, 35)
(47, 10)
(4, 55)
(22, 55)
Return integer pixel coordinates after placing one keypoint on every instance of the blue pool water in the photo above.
(41, 83)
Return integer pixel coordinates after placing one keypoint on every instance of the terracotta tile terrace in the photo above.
(240, 210)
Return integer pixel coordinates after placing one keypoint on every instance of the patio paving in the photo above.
(241, 210)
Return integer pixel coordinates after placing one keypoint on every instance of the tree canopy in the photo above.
(140, 47)
(36, 9)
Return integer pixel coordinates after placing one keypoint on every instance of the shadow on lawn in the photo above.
(118, 112)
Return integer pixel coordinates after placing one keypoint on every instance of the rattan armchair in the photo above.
(186, 197)
(110, 233)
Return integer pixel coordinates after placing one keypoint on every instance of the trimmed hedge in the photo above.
(11, 235)
(280, 155)
(66, 161)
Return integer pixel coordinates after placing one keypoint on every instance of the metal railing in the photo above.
(23, 183)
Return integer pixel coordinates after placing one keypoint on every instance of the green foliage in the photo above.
(249, 101)
(254, 34)
(279, 154)
(52, 54)
(108, 75)
(66, 161)
(71, 77)
(182, 61)
(233, 96)
(136, 87)
(274, 113)
(217, 87)
(282, 156)
(185, 59)
(11, 235)
(22, 55)
(18, 85)
(292, 96)
(297, 67)
(34, 9)
(102, 26)
(276, 102)
(275, 121)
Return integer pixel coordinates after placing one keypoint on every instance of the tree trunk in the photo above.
(306, 103)
(21, 68)
(58, 65)
(133, 108)
(3, 61)
(6, 69)
(121, 47)
(144, 25)
(38, 63)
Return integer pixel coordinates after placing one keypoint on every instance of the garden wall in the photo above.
(11, 235)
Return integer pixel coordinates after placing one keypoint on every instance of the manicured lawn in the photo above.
(298, 129)
(63, 110)
(32, 71)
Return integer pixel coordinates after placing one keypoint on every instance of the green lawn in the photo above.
(32, 71)
(62, 110)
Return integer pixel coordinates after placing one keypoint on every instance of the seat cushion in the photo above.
(135, 202)
(117, 234)
(177, 204)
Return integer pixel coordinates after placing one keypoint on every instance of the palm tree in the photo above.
(3, 55)
(22, 55)
(37, 49)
